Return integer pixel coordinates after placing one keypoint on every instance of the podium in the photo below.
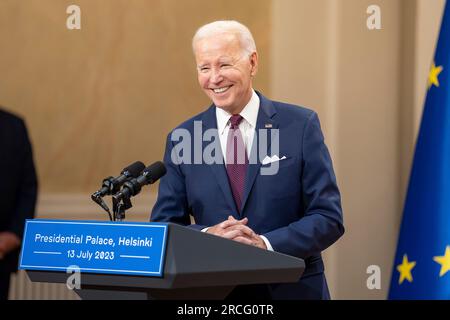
(197, 266)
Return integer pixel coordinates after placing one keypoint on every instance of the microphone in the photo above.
(150, 175)
(111, 185)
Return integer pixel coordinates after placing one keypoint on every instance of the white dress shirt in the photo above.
(247, 127)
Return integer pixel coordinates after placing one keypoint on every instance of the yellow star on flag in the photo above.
(444, 261)
(405, 269)
(433, 76)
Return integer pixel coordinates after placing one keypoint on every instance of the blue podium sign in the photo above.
(94, 247)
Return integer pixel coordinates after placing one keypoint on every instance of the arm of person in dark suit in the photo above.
(27, 193)
(322, 223)
(26, 200)
(172, 205)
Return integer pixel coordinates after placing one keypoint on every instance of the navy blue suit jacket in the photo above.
(298, 209)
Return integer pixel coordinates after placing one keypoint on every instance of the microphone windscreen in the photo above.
(134, 169)
(155, 171)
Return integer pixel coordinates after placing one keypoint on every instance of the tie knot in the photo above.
(235, 120)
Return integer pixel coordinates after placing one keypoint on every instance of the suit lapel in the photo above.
(218, 170)
(264, 122)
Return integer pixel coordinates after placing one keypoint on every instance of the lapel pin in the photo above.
(268, 126)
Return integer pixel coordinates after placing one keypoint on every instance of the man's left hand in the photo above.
(250, 237)
(256, 241)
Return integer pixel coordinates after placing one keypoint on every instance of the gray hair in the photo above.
(227, 27)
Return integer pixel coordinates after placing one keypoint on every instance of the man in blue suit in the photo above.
(276, 190)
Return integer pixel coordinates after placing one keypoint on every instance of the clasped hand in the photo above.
(237, 230)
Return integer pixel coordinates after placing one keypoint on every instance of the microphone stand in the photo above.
(119, 207)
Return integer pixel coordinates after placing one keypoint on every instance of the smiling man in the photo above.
(225, 68)
(296, 211)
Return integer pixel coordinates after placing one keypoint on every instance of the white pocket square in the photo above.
(272, 159)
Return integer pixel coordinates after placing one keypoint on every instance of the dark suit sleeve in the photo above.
(28, 187)
(322, 223)
(172, 204)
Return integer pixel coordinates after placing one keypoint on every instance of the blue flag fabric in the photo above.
(422, 262)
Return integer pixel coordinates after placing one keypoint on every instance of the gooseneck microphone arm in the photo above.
(99, 200)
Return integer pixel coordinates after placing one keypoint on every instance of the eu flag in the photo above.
(422, 262)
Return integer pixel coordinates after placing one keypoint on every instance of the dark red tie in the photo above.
(236, 160)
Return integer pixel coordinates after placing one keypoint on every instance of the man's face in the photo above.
(225, 71)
